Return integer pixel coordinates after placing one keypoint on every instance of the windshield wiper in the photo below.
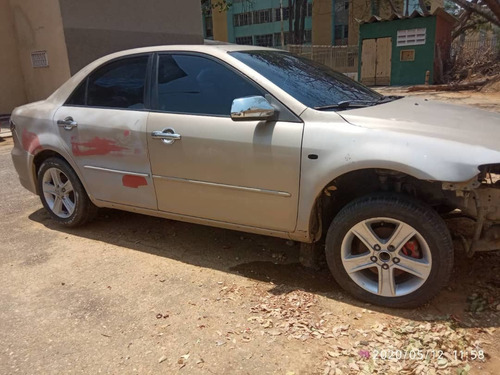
(348, 104)
(344, 104)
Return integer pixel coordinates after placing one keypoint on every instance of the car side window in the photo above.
(198, 85)
(119, 84)
(78, 97)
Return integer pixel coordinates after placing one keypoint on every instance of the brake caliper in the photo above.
(412, 249)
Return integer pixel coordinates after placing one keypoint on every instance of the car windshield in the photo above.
(311, 83)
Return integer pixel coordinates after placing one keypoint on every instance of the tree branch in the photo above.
(479, 10)
(467, 26)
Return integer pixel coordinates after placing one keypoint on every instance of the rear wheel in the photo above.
(62, 194)
(389, 250)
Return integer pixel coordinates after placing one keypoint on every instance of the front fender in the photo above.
(342, 148)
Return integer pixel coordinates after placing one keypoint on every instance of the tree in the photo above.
(473, 14)
(488, 9)
(296, 20)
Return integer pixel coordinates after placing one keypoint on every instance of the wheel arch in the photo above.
(339, 191)
(47, 153)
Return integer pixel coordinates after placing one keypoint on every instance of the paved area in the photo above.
(130, 294)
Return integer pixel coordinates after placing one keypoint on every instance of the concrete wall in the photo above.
(363, 10)
(12, 91)
(94, 28)
(322, 22)
(219, 21)
(31, 25)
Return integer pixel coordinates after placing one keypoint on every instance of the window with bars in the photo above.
(307, 36)
(411, 37)
(245, 40)
(277, 12)
(265, 40)
(309, 10)
(242, 19)
(277, 39)
(262, 16)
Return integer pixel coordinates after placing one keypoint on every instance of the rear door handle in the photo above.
(68, 123)
(167, 135)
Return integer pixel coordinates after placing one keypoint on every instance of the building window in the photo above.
(407, 55)
(245, 40)
(346, 5)
(265, 40)
(242, 19)
(262, 16)
(286, 14)
(307, 36)
(309, 10)
(411, 37)
(277, 39)
(209, 29)
(341, 33)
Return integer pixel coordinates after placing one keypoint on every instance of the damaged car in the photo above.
(262, 141)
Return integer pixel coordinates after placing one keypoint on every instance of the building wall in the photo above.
(12, 91)
(37, 26)
(322, 22)
(363, 10)
(94, 28)
(219, 20)
(405, 72)
(244, 6)
(444, 29)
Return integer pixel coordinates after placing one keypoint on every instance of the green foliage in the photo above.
(221, 5)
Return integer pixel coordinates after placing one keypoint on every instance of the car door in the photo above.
(212, 167)
(103, 127)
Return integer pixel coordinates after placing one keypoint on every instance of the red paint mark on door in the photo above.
(96, 146)
(30, 141)
(134, 181)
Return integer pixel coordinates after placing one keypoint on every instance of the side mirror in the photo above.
(251, 108)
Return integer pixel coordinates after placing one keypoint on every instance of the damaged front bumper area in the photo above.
(479, 199)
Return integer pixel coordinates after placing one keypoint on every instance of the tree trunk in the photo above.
(302, 21)
(296, 21)
(291, 39)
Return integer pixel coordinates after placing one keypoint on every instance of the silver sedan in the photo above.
(263, 141)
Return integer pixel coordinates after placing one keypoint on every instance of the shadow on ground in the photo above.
(273, 260)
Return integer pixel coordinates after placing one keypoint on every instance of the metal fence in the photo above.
(478, 46)
(343, 59)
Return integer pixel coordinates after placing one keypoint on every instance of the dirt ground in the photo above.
(135, 294)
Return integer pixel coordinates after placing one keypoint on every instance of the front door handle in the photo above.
(68, 123)
(167, 135)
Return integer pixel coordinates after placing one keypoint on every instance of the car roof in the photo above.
(204, 48)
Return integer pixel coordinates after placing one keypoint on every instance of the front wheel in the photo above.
(62, 194)
(390, 250)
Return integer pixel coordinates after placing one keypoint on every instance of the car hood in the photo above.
(431, 118)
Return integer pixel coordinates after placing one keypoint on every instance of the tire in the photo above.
(62, 194)
(389, 250)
